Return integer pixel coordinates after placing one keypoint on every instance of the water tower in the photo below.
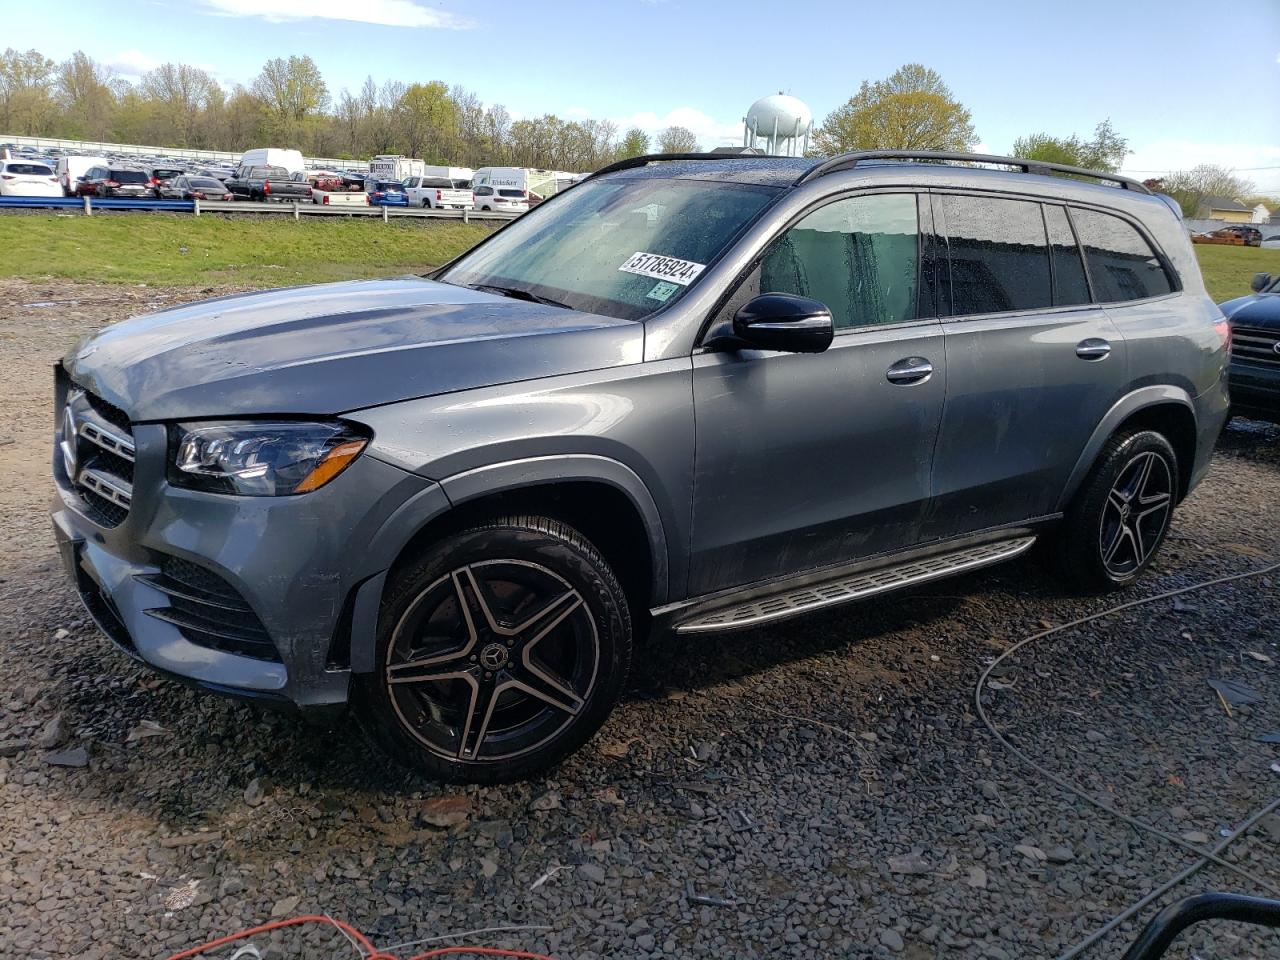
(783, 122)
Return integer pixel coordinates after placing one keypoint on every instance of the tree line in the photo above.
(289, 104)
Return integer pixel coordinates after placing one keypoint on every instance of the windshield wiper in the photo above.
(515, 293)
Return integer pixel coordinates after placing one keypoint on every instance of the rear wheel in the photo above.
(1120, 516)
(499, 652)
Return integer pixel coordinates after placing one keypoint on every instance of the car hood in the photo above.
(337, 347)
(1256, 310)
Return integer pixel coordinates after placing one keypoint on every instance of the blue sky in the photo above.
(1186, 81)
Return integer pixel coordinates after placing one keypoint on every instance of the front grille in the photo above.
(208, 611)
(1255, 345)
(97, 455)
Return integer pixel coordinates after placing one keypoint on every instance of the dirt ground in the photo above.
(824, 788)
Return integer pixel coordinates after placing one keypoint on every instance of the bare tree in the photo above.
(678, 140)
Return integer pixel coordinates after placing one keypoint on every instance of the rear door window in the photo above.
(999, 255)
(1069, 285)
(1122, 264)
(859, 256)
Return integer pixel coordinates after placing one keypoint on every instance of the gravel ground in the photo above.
(819, 789)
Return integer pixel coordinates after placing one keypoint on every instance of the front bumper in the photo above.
(298, 562)
(1255, 390)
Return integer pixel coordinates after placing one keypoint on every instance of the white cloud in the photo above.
(389, 13)
(1161, 157)
(710, 131)
(132, 63)
(577, 113)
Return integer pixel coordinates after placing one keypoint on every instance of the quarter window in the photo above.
(1069, 284)
(858, 256)
(999, 255)
(1121, 262)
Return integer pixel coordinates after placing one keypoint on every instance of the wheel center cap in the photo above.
(493, 656)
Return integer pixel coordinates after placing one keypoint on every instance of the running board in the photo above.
(853, 587)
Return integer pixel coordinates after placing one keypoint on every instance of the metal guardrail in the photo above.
(294, 208)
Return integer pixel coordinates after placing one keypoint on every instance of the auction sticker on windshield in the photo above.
(672, 269)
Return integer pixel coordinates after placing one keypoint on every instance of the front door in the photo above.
(807, 460)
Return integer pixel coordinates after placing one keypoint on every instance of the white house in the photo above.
(1261, 214)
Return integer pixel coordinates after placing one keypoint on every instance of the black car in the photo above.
(114, 180)
(1255, 350)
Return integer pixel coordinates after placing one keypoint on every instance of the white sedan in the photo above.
(25, 178)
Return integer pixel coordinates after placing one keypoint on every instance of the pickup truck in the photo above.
(438, 193)
(267, 183)
(340, 198)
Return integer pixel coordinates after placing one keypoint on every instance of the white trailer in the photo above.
(395, 167)
(291, 160)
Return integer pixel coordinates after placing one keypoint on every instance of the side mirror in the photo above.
(1260, 282)
(778, 321)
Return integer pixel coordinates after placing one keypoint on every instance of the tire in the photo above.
(511, 683)
(1120, 516)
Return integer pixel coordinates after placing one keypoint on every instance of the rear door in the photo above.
(807, 460)
(1032, 363)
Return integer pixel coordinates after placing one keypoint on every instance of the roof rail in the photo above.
(847, 161)
(632, 162)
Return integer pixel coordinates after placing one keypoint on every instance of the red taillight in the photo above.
(8, 176)
(325, 201)
(379, 195)
(1223, 329)
(266, 186)
(439, 196)
(227, 196)
(155, 181)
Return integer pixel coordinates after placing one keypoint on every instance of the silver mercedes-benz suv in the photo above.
(691, 394)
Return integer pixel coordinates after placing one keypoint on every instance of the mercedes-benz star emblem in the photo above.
(1276, 346)
(494, 656)
(68, 442)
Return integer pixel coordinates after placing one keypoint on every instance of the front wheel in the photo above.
(1121, 514)
(499, 652)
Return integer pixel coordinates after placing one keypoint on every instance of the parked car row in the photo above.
(1234, 234)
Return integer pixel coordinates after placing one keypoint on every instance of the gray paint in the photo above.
(742, 467)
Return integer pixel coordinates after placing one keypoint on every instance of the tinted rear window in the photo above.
(204, 183)
(390, 186)
(129, 176)
(165, 173)
(1122, 264)
(999, 255)
(1069, 285)
(30, 169)
(437, 182)
(519, 194)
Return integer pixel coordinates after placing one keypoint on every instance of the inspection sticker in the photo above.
(672, 269)
(662, 291)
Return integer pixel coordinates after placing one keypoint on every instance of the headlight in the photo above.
(260, 458)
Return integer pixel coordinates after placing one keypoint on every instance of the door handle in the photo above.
(910, 370)
(1094, 348)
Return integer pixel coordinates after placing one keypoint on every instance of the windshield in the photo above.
(622, 248)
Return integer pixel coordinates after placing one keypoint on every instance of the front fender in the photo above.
(1120, 411)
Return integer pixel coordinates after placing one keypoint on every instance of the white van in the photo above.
(291, 160)
(68, 169)
(388, 166)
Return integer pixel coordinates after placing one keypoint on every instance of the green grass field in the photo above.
(207, 251)
(1227, 271)
(176, 250)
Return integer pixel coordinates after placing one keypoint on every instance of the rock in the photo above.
(547, 801)
(190, 839)
(1196, 836)
(929, 934)
(976, 878)
(703, 751)
(892, 940)
(592, 871)
(253, 795)
(1031, 853)
(989, 790)
(446, 811)
(909, 863)
(231, 886)
(62, 633)
(75, 757)
(144, 729)
(1060, 855)
(285, 907)
(646, 942)
(1095, 736)
(53, 734)
(488, 867)
(11, 748)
